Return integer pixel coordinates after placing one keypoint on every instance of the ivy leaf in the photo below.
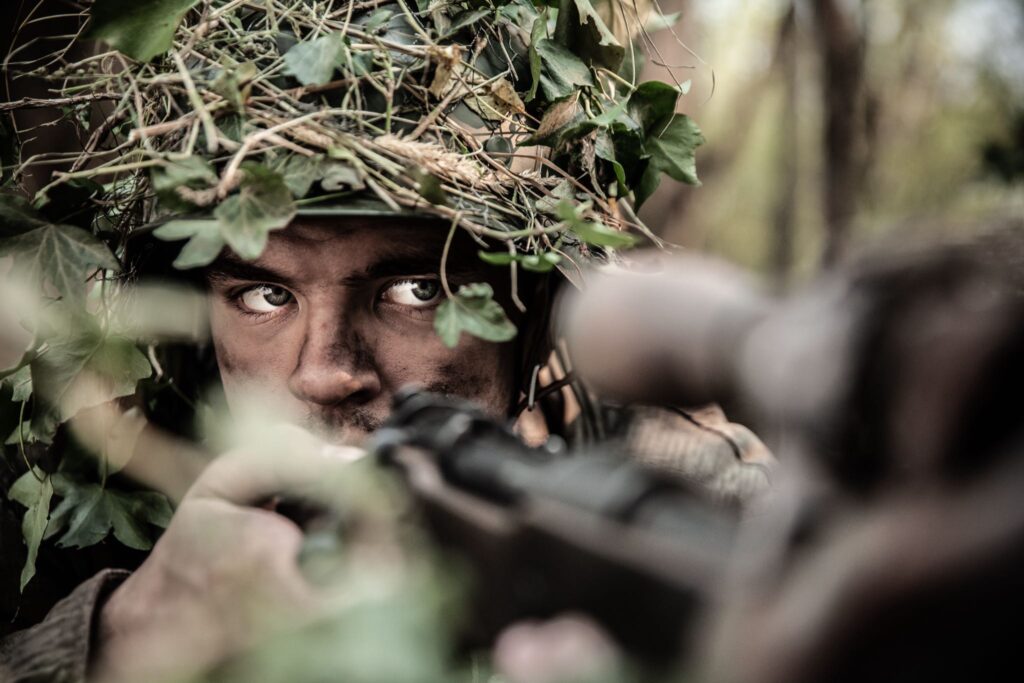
(262, 204)
(592, 232)
(90, 512)
(21, 384)
(141, 30)
(17, 216)
(652, 105)
(604, 148)
(84, 367)
(467, 18)
(193, 172)
(612, 116)
(561, 72)
(235, 84)
(377, 19)
(473, 310)
(338, 175)
(585, 33)
(549, 203)
(39, 431)
(312, 62)
(300, 172)
(673, 153)
(204, 245)
(60, 255)
(537, 33)
(33, 490)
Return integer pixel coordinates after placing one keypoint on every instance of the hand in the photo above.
(224, 573)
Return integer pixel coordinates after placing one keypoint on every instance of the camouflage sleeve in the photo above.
(58, 649)
(724, 458)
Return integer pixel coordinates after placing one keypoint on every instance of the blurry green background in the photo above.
(832, 122)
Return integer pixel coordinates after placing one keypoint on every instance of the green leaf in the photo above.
(262, 204)
(604, 148)
(473, 310)
(652, 105)
(538, 263)
(84, 367)
(235, 84)
(90, 512)
(141, 30)
(313, 62)
(204, 245)
(583, 31)
(21, 384)
(193, 172)
(33, 490)
(537, 33)
(465, 19)
(549, 204)
(377, 19)
(612, 116)
(562, 72)
(300, 172)
(592, 232)
(339, 175)
(429, 187)
(497, 258)
(673, 153)
(60, 255)
(17, 216)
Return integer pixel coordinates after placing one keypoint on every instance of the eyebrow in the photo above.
(398, 265)
(230, 267)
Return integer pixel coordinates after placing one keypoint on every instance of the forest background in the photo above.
(832, 123)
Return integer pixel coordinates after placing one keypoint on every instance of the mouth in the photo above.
(352, 430)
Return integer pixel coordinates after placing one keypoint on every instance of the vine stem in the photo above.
(444, 255)
(21, 443)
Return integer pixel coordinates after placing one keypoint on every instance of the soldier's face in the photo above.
(334, 317)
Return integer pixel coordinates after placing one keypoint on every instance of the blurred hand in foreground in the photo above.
(226, 570)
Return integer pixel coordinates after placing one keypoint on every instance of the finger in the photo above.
(668, 331)
(291, 462)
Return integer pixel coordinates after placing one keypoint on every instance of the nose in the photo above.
(335, 365)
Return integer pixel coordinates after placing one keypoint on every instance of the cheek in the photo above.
(247, 355)
(476, 370)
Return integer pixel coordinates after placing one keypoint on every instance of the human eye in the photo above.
(420, 293)
(263, 299)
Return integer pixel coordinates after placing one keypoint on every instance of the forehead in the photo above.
(354, 239)
(352, 249)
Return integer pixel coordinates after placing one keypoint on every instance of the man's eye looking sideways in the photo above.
(265, 298)
(422, 293)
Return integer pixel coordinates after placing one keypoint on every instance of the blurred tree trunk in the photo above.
(784, 217)
(841, 48)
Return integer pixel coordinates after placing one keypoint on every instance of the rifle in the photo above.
(547, 532)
